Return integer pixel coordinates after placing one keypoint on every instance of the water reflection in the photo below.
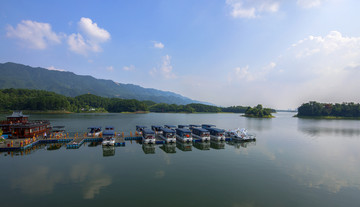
(202, 145)
(184, 146)
(94, 144)
(148, 148)
(38, 180)
(108, 151)
(314, 128)
(92, 178)
(241, 144)
(258, 124)
(217, 144)
(169, 147)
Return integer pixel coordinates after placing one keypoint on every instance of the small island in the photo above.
(259, 112)
(314, 109)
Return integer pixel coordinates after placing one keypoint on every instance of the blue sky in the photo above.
(227, 52)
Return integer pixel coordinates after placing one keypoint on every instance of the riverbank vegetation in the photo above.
(40, 101)
(314, 109)
(259, 112)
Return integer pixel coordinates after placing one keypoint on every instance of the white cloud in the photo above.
(245, 74)
(90, 42)
(251, 9)
(128, 68)
(165, 69)
(110, 68)
(35, 35)
(53, 68)
(158, 45)
(322, 68)
(309, 3)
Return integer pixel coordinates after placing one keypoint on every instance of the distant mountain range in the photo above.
(69, 84)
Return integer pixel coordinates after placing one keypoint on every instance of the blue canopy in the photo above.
(167, 130)
(183, 126)
(170, 126)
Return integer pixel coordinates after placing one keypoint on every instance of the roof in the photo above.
(185, 130)
(17, 114)
(207, 125)
(156, 126)
(194, 125)
(167, 130)
(183, 126)
(200, 129)
(109, 132)
(170, 126)
(216, 129)
(148, 131)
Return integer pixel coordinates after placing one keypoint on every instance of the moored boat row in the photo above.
(188, 133)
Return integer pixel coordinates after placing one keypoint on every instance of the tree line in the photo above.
(259, 112)
(40, 100)
(314, 108)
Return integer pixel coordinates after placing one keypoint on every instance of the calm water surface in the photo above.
(294, 162)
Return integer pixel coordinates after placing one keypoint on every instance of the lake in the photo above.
(294, 162)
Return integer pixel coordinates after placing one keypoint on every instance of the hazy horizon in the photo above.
(227, 52)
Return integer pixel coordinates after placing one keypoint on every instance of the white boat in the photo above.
(157, 129)
(215, 133)
(94, 132)
(148, 136)
(201, 133)
(108, 141)
(240, 135)
(168, 135)
(183, 135)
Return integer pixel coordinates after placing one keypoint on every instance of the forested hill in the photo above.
(329, 110)
(69, 84)
(38, 100)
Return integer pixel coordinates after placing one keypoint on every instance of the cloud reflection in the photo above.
(38, 181)
(93, 177)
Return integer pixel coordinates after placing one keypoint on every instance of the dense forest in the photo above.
(39, 100)
(259, 112)
(315, 109)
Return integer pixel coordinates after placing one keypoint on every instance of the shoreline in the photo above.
(328, 117)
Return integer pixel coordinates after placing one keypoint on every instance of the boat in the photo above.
(183, 135)
(170, 126)
(215, 133)
(182, 126)
(18, 125)
(108, 141)
(94, 131)
(109, 131)
(139, 129)
(168, 135)
(240, 135)
(157, 129)
(201, 133)
(148, 136)
(192, 126)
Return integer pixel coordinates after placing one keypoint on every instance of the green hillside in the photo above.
(69, 84)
